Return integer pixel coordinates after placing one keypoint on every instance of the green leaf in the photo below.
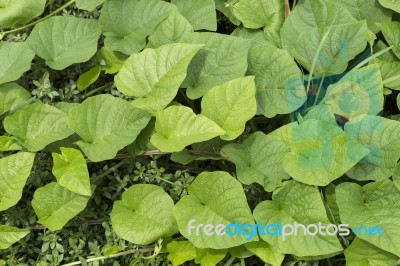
(208, 150)
(231, 105)
(12, 95)
(19, 12)
(222, 59)
(256, 36)
(284, 207)
(330, 203)
(112, 250)
(88, 78)
(112, 61)
(88, 5)
(171, 30)
(375, 204)
(358, 92)
(308, 16)
(55, 206)
(9, 144)
(16, 58)
(214, 198)
(10, 235)
(14, 171)
(42, 124)
(178, 126)
(259, 160)
(144, 215)
(71, 171)
(222, 7)
(154, 75)
(320, 152)
(180, 252)
(391, 4)
(63, 41)
(106, 124)
(321, 112)
(333, 51)
(367, 10)
(390, 73)
(391, 32)
(209, 257)
(361, 253)
(126, 23)
(200, 13)
(279, 82)
(265, 252)
(382, 137)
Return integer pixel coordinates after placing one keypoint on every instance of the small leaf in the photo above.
(231, 105)
(42, 124)
(209, 257)
(113, 61)
(391, 32)
(63, 41)
(9, 144)
(154, 75)
(391, 4)
(222, 7)
(214, 198)
(106, 124)
(361, 253)
(71, 171)
(200, 13)
(88, 5)
(16, 58)
(112, 250)
(18, 12)
(10, 235)
(283, 208)
(14, 171)
(259, 160)
(12, 95)
(88, 78)
(55, 205)
(144, 214)
(390, 73)
(265, 252)
(180, 252)
(177, 127)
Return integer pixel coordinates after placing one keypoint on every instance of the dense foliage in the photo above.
(123, 121)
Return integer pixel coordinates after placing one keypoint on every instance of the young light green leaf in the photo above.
(390, 71)
(265, 252)
(14, 171)
(10, 235)
(106, 124)
(63, 41)
(12, 95)
(358, 92)
(200, 13)
(180, 252)
(113, 61)
(362, 253)
(177, 127)
(154, 75)
(391, 31)
(209, 257)
(55, 206)
(279, 82)
(214, 198)
(224, 58)
(382, 137)
(258, 160)
(331, 51)
(391, 4)
(88, 78)
(284, 207)
(9, 144)
(42, 124)
(171, 30)
(367, 10)
(88, 5)
(19, 12)
(144, 214)
(71, 171)
(126, 23)
(375, 204)
(16, 58)
(231, 105)
(320, 152)
(311, 15)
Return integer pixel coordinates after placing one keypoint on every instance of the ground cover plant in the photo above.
(151, 132)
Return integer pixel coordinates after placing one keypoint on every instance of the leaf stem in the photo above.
(365, 61)
(61, 8)
(124, 253)
(112, 169)
(90, 93)
(191, 104)
(386, 81)
(230, 261)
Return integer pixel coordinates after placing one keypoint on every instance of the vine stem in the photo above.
(61, 8)
(112, 169)
(124, 253)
